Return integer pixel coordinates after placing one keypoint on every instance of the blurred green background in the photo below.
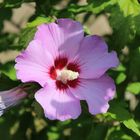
(118, 21)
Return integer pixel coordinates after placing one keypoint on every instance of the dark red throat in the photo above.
(59, 64)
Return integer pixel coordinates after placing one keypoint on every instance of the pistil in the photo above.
(65, 75)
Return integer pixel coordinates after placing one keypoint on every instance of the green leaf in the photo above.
(129, 7)
(121, 67)
(26, 36)
(134, 88)
(119, 135)
(99, 6)
(53, 135)
(6, 83)
(120, 78)
(40, 20)
(131, 124)
(94, 7)
(123, 29)
(98, 132)
(137, 23)
(134, 63)
(13, 3)
(8, 69)
(119, 112)
(8, 42)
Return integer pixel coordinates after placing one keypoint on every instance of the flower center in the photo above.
(65, 75)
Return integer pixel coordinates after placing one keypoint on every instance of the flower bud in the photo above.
(11, 98)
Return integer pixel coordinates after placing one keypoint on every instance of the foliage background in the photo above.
(122, 121)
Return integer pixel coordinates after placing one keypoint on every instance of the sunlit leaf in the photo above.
(129, 7)
(134, 87)
(39, 20)
(120, 78)
(131, 124)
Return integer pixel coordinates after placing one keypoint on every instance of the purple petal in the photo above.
(58, 104)
(97, 93)
(94, 57)
(61, 38)
(33, 64)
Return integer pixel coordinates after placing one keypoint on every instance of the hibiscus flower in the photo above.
(70, 68)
